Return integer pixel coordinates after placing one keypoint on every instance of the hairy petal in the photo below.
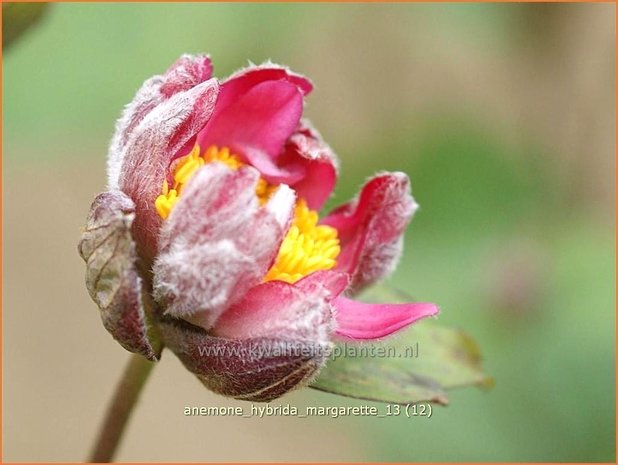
(185, 73)
(218, 242)
(371, 228)
(324, 282)
(359, 320)
(277, 309)
(112, 278)
(258, 369)
(160, 135)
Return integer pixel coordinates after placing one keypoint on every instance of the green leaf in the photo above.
(389, 371)
(418, 365)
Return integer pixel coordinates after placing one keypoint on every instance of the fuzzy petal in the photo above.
(257, 123)
(259, 370)
(277, 309)
(112, 278)
(371, 228)
(359, 320)
(218, 242)
(331, 283)
(186, 73)
(147, 154)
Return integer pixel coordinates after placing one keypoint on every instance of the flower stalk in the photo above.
(120, 408)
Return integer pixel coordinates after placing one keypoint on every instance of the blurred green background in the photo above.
(503, 115)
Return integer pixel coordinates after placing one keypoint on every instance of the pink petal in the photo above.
(186, 73)
(371, 228)
(306, 149)
(257, 110)
(218, 242)
(147, 154)
(358, 320)
(299, 311)
(245, 79)
(257, 123)
(331, 281)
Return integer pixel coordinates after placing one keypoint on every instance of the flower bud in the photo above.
(209, 240)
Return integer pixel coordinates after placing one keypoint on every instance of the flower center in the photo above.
(307, 247)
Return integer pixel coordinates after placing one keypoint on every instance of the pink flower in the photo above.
(208, 240)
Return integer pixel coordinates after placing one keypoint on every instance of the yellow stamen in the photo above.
(306, 248)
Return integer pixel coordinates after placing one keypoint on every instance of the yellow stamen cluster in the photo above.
(184, 169)
(306, 248)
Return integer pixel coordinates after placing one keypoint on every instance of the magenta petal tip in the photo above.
(360, 320)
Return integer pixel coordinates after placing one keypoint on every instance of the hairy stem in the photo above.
(119, 410)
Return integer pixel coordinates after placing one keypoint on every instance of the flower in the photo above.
(208, 239)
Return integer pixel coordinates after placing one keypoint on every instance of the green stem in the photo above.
(119, 410)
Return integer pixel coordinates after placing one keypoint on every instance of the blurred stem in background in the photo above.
(19, 17)
(118, 413)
